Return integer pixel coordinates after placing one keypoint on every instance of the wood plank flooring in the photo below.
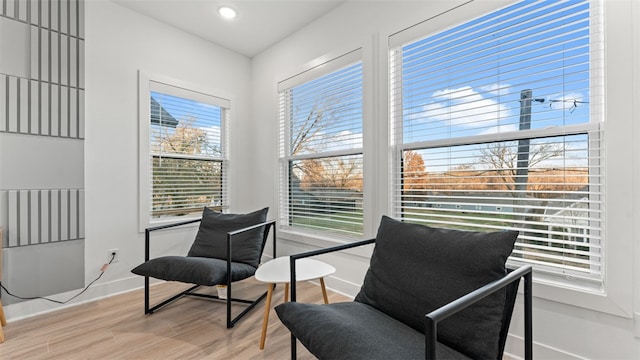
(190, 328)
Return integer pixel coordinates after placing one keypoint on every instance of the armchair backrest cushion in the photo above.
(211, 240)
(415, 269)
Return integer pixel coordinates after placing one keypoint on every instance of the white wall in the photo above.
(568, 324)
(119, 42)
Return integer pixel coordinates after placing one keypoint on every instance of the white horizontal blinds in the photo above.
(327, 113)
(497, 126)
(188, 155)
(321, 151)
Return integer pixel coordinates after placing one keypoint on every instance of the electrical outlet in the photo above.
(113, 253)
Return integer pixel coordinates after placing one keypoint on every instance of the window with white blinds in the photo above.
(187, 151)
(497, 125)
(321, 148)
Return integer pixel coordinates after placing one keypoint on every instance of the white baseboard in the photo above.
(30, 308)
(514, 350)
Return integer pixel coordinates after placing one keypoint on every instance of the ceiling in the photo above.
(259, 24)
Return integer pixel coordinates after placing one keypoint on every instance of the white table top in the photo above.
(277, 270)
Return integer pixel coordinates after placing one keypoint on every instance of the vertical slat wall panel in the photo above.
(64, 16)
(73, 215)
(35, 52)
(81, 114)
(81, 19)
(54, 206)
(34, 12)
(64, 111)
(34, 108)
(45, 109)
(23, 105)
(45, 216)
(73, 18)
(4, 100)
(64, 60)
(73, 62)
(10, 9)
(45, 64)
(23, 221)
(52, 105)
(12, 104)
(42, 216)
(54, 110)
(22, 6)
(81, 64)
(45, 14)
(64, 214)
(54, 14)
(13, 227)
(54, 57)
(49, 101)
(34, 217)
(73, 113)
(81, 214)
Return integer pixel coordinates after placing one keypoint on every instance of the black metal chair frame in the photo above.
(269, 227)
(437, 315)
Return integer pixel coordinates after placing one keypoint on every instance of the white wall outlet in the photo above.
(113, 254)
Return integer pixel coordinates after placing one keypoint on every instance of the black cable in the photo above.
(102, 270)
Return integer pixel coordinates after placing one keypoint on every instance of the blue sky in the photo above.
(467, 80)
(204, 116)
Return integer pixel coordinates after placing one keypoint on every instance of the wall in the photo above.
(119, 43)
(41, 146)
(568, 324)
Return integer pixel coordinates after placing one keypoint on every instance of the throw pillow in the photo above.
(415, 269)
(211, 240)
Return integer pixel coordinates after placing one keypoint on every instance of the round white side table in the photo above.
(277, 271)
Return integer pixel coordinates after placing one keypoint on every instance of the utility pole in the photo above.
(522, 169)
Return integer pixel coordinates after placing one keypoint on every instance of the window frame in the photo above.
(315, 69)
(148, 83)
(615, 296)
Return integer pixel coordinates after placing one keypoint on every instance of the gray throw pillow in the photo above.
(211, 240)
(415, 269)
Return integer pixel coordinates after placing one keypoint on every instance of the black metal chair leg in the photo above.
(146, 294)
(294, 353)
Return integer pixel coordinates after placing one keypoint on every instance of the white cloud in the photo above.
(497, 89)
(466, 107)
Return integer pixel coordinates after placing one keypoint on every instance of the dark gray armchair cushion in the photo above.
(415, 269)
(194, 270)
(354, 330)
(211, 240)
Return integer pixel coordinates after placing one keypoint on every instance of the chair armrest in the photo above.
(443, 312)
(293, 258)
(269, 224)
(147, 233)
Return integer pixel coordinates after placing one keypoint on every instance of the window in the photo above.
(187, 156)
(321, 148)
(497, 124)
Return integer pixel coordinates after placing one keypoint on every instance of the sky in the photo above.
(468, 80)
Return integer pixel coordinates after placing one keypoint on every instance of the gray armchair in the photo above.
(428, 293)
(228, 248)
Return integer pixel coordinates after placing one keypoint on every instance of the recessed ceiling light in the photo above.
(227, 12)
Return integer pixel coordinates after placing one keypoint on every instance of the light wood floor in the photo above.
(190, 328)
